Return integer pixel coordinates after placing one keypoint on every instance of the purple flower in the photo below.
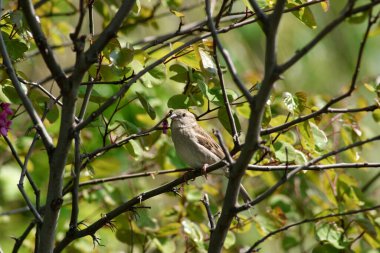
(5, 123)
(6, 108)
(165, 126)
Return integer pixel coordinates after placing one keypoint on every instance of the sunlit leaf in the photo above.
(181, 73)
(178, 13)
(169, 229)
(290, 102)
(179, 101)
(331, 233)
(15, 47)
(122, 57)
(134, 148)
(284, 151)
(303, 14)
(192, 230)
(10, 91)
(325, 5)
(358, 18)
(376, 115)
(306, 135)
(148, 108)
(158, 72)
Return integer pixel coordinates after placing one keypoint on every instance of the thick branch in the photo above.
(130, 205)
(42, 44)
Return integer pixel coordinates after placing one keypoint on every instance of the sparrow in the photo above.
(194, 145)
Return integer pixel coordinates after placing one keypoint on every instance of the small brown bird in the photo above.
(194, 145)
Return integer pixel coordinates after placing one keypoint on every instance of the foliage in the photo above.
(89, 150)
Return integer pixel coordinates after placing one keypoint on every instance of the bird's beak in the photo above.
(173, 116)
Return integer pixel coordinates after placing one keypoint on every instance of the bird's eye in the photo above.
(184, 114)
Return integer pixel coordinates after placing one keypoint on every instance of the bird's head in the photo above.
(182, 118)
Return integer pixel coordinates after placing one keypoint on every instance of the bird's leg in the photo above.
(204, 171)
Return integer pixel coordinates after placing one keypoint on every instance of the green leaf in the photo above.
(320, 137)
(284, 151)
(186, 56)
(180, 101)
(244, 110)
(331, 233)
(207, 63)
(289, 102)
(300, 158)
(148, 108)
(181, 73)
(358, 18)
(223, 118)
(261, 3)
(307, 137)
(53, 113)
(155, 76)
(267, 115)
(110, 73)
(304, 14)
(122, 57)
(129, 127)
(326, 248)
(15, 47)
(134, 148)
(192, 230)
(158, 72)
(10, 91)
(169, 229)
(40, 102)
(177, 13)
(194, 195)
(217, 96)
(129, 237)
(367, 226)
(202, 85)
(282, 201)
(144, 220)
(113, 45)
(17, 18)
(376, 115)
(289, 242)
(325, 5)
(100, 93)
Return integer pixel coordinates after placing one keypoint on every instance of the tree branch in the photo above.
(292, 173)
(363, 210)
(46, 139)
(42, 44)
(130, 205)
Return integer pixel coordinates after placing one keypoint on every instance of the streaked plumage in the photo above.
(194, 145)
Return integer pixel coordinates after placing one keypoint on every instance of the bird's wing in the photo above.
(204, 139)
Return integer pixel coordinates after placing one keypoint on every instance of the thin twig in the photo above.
(292, 173)
(206, 203)
(257, 243)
